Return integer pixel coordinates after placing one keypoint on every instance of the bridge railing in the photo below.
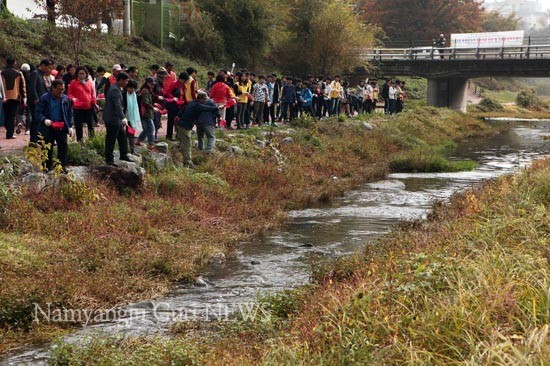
(538, 51)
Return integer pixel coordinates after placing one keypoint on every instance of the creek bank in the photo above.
(470, 283)
(120, 248)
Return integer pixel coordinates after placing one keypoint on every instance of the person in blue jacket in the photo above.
(307, 99)
(187, 117)
(55, 116)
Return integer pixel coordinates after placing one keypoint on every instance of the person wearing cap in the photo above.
(112, 80)
(15, 94)
(187, 117)
(115, 120)
(55, 115)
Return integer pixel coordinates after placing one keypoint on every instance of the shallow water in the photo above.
(283, 259)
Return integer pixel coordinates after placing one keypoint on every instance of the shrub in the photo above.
(489, 105)
(527, 98)
(83, 154)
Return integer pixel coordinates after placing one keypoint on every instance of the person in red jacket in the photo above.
(82, 96)
(220, 93)
(174, 96)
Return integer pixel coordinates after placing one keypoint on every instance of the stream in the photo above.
(282, 259)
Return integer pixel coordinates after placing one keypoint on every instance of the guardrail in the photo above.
(451, 53)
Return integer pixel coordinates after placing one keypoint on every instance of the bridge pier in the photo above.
(448, 93)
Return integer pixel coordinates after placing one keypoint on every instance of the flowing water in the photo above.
(282, 259)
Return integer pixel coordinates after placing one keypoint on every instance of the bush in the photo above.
(489, 105)
(527, 98)
(83, 155)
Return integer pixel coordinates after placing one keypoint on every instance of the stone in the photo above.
(201, 282)
(255, 263)
(162, 147)
(217, 258)
(161, 160)
(288, 140)
(36, 182)
(388, 185)
(236, 150)
(124, 175)
(136, 159)
(367, 126)
(80, 173)
(261, 143)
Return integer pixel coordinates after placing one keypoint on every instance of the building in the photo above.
(530, 12)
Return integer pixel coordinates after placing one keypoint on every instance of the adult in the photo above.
(336, 95)
(82, 95)
(187, 117)
(176, 97)
(112, 79)
(133, 73)
(115, 120)
(40, 83)
(191, 85)
(288, 93)
(261, 99)
(393, 97)
(55, 115)
(147, 109)
(206, 125)
(307, 99)
(172, 77)
(244, 89)
(220, 93)
(15, 94)
(385, 93)
(132, 112)
(69, 76)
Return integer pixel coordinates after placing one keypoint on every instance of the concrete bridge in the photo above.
(448, 69)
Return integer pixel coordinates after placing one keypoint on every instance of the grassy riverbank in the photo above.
(469, 286)
(95, 248)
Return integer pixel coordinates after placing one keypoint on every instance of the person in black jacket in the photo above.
(40, 83)
(115, 120)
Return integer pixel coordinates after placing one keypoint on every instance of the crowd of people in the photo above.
(55, 100)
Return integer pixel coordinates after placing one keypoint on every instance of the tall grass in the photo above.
(125, 248)
(470, 287)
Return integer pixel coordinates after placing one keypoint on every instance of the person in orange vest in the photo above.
(15, 93)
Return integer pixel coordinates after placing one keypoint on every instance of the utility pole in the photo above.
(127, 19)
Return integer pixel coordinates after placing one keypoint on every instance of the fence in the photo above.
(158, 22)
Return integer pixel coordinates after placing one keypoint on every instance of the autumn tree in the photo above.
(77, 17)
(493, 21)
(323, 36)
(414, 20)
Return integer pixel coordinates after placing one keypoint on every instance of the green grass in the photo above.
(501, 96)
(428, 161)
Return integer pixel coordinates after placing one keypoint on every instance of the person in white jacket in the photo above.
(393, 97)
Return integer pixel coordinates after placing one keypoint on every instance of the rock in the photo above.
(80, 173)
(261, 143)
(161, 160)
(236, 150)
(288, 140)
(367, 126)
(217, 258)
(201, 282)
(124, 175)
(306, 246)
(162, 147)
(136, 159)
(255, 263)
(388, 185)
(36, 182)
